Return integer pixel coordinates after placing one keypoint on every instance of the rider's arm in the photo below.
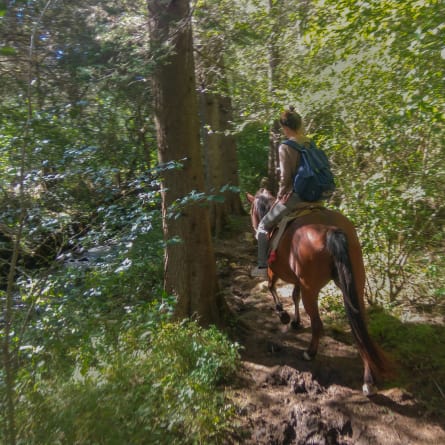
(289, 160)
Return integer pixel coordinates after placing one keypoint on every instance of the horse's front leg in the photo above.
(369, 388)
(310, 303)
(284, 316)
(296, 322)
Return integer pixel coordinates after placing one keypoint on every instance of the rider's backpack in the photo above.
(314, 179)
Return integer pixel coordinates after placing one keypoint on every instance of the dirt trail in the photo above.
(284, 399)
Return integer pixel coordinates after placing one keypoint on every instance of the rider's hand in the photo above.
(283, 199)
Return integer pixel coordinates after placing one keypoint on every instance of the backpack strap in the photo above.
(304, 152)
(296, 146)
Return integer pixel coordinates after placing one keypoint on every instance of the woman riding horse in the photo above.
(314, 249)
(287, 201)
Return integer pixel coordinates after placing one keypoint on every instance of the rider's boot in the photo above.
(263, 246)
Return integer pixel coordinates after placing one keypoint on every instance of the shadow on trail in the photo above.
(269, 343)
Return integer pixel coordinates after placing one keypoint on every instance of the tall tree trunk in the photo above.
(212, 140)
(274, 133)
(228, 148)
(273, 172)
(220, 157)
(190, 268)
(221, 162)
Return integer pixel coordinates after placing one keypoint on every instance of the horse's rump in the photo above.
(302, 250)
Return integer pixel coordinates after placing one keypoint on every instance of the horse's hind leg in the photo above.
(369, 387)
(296, 322)
(310, 303)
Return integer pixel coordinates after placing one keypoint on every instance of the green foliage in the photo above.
(95, 363)
(253, 149)
(333, 313)
(333, 305)
(418, 351)
(98, 361)
(7, 51)
(154, 385)
(365, 76)
(384, 89)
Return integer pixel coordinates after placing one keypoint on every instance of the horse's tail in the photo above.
(337, 246)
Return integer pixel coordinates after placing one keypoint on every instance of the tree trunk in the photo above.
(212, 140)
(274, 61)
(220, 157)
(190, 268)
(274, 162)
(230, 158)
(221, 162)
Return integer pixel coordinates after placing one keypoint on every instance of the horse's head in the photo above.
(259, 205)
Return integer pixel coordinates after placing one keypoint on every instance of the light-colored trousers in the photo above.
(269, 221)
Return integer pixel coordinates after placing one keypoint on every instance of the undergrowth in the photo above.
(156, 386)
(417, 349)
(99, 360)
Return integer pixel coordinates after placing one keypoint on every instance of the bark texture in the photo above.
(190, 269)
(220, 154)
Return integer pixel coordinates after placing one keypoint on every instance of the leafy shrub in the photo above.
(154, 387)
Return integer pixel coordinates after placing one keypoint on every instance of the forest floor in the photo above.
(283, 399)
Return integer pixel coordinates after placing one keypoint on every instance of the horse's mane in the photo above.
(263, 202)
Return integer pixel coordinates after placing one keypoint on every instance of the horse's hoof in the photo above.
(296, 325)
(369, 389)
(284, 317)
(306, 356)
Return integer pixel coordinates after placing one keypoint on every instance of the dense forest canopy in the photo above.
(81, 175)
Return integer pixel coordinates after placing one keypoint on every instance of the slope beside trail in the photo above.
(283, 399)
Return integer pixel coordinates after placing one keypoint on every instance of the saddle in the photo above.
(303, 208)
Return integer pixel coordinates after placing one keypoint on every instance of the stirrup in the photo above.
(259, 272)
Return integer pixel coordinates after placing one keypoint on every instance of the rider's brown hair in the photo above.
(291, 119)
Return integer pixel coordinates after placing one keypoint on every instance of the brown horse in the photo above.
(316, 248)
